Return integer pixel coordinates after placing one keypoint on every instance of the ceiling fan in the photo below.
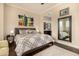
(42, 3)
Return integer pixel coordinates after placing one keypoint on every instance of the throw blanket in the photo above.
(30, 41)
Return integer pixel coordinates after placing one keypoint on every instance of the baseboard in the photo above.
(75, 50)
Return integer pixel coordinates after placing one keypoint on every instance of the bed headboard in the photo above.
(17, 30)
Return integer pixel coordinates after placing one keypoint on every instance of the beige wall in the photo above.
(74, 11)
(10, 20)
(11, 17)
(1, 21)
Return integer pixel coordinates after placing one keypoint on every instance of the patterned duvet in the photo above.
(30, 41)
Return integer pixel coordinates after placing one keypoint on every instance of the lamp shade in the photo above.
(12, 31)
(37, 30)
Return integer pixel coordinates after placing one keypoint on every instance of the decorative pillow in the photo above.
(23, 31)
(32, 32)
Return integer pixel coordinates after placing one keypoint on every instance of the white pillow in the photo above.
(32, 31)
(23, 31)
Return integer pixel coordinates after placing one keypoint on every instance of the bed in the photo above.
(29, 42)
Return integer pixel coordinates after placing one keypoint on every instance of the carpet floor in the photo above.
(56, 51)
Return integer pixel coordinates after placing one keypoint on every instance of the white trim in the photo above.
(68, 43)
(42, 12)
(49, 9)
(12, 5)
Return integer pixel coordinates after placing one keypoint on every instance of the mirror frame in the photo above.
(70, 31)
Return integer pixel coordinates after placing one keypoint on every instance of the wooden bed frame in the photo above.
(35, 50)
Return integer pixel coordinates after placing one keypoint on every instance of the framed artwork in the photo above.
(47, 26)
(64, 12)
(25, 21)
(21, 20)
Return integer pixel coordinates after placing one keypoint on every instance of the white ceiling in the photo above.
(35, 7)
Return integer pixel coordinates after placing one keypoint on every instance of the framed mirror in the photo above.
(64, 28)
